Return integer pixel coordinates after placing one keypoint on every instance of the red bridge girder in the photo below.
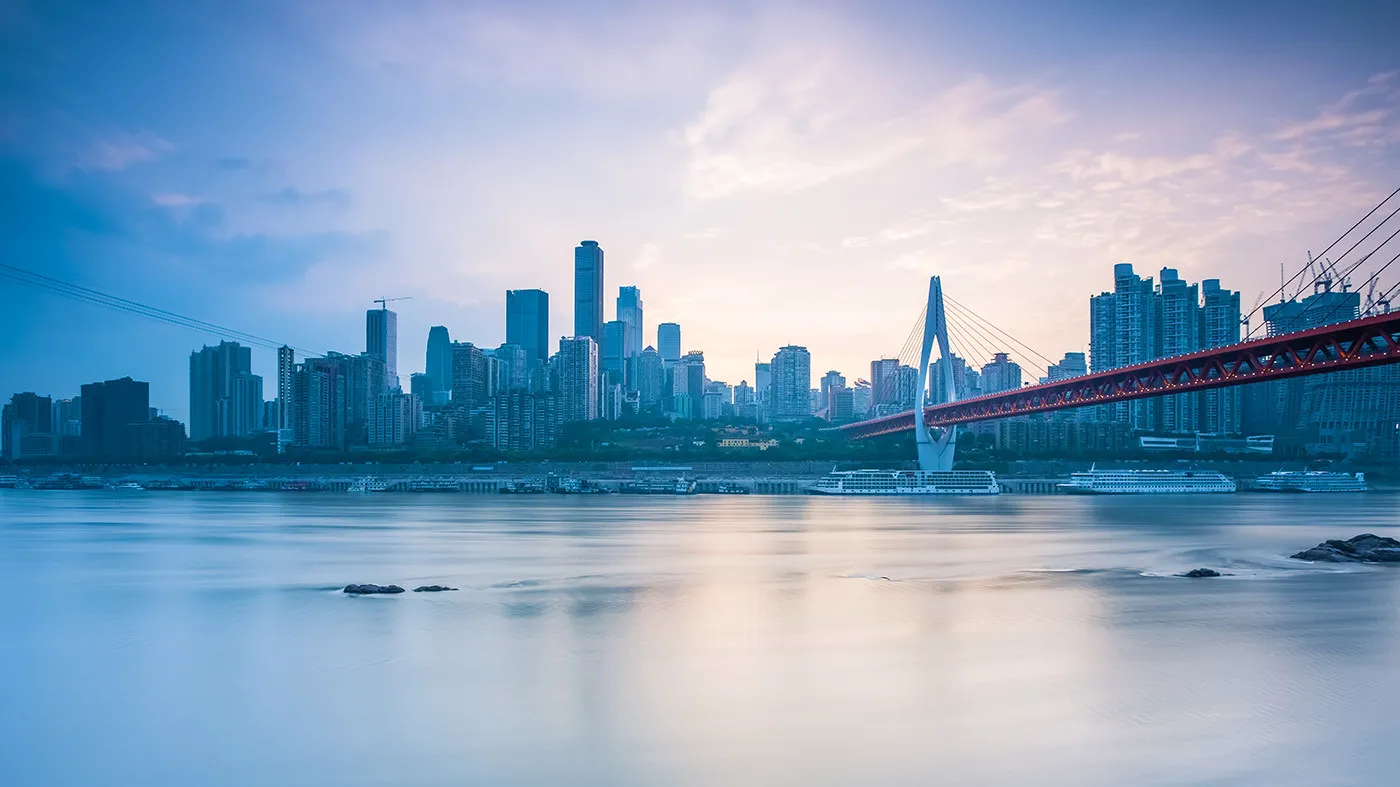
(1367, 341)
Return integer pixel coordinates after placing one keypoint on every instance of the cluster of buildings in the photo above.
(516, 396)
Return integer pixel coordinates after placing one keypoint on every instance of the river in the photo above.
(201, 638)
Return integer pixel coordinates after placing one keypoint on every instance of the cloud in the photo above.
(242, 164)
(647, 256)
(175, 200)
(119, 150)
(290, 195)
(797, 121)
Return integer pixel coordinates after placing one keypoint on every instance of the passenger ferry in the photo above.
(1312, 481)
(1148, 482)
(907, 482)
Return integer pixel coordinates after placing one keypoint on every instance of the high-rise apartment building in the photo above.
(629, 312)
(68, 417)
(884, 383)
(108, 407)
(394, 417)
(1072, 365)
(577, 369)
(831, 381)
(1001, 374)
(668, 342)
(438, 367)
(286, 367)
(588, 291)
(470, 376)
(1178, 333)
(225, 395)
(650, 378)
(512, 369)
(319, 404)
(382, 341)
(522, 422)
(27, 427)
(792, 383)
(1123, 327)
(1221, 408)
(527, 322)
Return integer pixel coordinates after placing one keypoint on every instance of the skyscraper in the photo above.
(438, 366)
(319, 404)
(286, 367)
(394, 417)
(651, 376)
(469, 376)
(588, 291)
(527, 322)
(792, 383)
(884, 383)
(512, 369)
(763, 382)
(225, 395)
(615, 334)
(1220, 327)
(1123, 328)
(1001, 374)
(668, 342)
(688, 385)
(382, 341)
(107, 409)
(577, 365)
(1179, 332)
(629, 312)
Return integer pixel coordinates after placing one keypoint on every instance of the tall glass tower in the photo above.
(439, 365)
(588, 291)
(668, 342)
(382, 342)
(527, 322)
(629, 312)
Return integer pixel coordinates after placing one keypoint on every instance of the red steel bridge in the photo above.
(1368, 340)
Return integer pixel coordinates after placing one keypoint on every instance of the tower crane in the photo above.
(384, 302)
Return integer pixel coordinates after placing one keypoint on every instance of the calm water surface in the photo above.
(175, 639)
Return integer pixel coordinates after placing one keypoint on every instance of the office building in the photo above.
(762, 382)
(668, 342)
(614, 361)
(421, 386)
(107, 409)
(577, 369)
(884, 383)
(394, 418)
(512, 369)
(717, 401)
(688, 386)
(792, 383)
(521, 422)
(470, 373)
(382, 342)
(68, 417)
(527, 323)
(588, 291)
(629, 312)
(1072, 365)
(438, 367)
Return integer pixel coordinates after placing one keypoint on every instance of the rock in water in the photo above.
(1365, 548)
(1197, 573)
(431, 588)
(366, 590)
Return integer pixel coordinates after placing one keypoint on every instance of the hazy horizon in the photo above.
(766, 174)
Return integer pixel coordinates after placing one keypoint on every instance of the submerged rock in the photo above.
(431, 588)
(365, 590)
(1365, 548)
(1197, 573)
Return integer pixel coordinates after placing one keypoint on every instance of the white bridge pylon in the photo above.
(935, 454)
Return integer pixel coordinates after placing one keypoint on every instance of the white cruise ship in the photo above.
(1312, 481)
(1148, 482)
(907, 482)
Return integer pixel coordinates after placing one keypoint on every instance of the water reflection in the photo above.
(165, 639)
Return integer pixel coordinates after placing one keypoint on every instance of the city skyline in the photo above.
(1196, 148)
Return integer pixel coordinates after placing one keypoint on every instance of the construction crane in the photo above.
(384, 302)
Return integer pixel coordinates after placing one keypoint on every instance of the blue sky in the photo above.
(767, 173)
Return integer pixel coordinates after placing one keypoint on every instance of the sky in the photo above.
(767, 173)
